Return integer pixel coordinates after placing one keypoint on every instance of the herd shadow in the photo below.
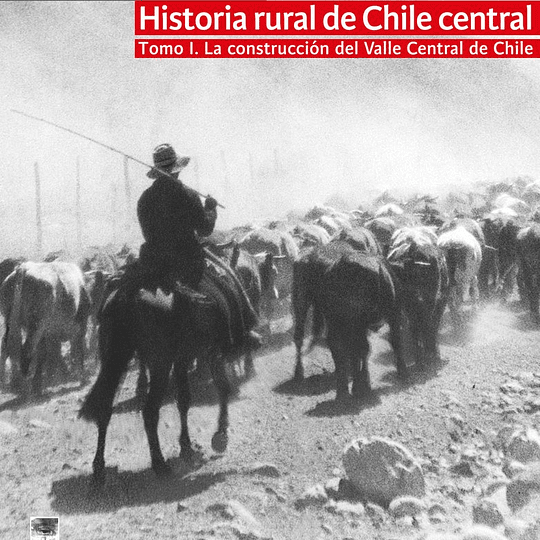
(314, 385)
(79, 495)
(417, 375)
(20, 402)
(323, 383)
(202, 389)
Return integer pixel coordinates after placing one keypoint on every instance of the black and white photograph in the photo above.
(264, 298)
(44, 528)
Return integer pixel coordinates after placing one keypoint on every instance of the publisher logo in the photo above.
(44, 528)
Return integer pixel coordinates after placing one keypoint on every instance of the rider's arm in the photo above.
(204, 217)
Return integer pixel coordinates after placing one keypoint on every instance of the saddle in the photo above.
(219, 305)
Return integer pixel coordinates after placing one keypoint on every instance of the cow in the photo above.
(284, 251)
(7, 266)
(383, 228)
(469, 224)
(354, 291)
(528, 248)
(463, 255)
(360, 239)
(499, 268)
(508, 258)
(489, 274)
(308, 235)
(421, 268)
(49, 303)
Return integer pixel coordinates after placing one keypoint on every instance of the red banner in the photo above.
(336, 48)
(322, 18)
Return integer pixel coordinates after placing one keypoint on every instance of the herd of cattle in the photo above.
(347, 272)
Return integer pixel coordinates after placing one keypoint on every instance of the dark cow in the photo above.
(488, 276)
(360, 239)
(508, 258)
(528, 248)
(309, 235)
(421, 267)
(499, 268)
(100, 264)
(383, 228)
(7, 266)
(49, 303)
(354, 291)
(281, 245)
(247, 267)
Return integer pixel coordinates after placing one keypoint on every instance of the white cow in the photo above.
(463, 257)
(46, 303)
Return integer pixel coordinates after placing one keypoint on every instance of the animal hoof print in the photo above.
(220, 441)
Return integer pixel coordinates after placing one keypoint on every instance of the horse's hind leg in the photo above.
(183, 401)
(142, 384)
(159, 380)
(221, 438)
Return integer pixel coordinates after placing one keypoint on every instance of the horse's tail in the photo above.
(116, 348)
(301, 301)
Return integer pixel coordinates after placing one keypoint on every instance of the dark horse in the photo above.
(166, 336)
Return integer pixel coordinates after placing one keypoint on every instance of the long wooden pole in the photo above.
(78, 205)
(165, 173)
(197, 172)
(39, 224)
(226, 183)
(114, 209)
(127, 188)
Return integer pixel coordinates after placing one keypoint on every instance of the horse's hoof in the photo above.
(191, 454)
(162, 469)
(220, 441)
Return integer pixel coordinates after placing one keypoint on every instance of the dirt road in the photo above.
(297, 430)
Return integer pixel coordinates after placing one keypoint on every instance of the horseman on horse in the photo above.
(172, 220)
(177, 303)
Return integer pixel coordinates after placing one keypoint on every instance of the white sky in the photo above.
(309, 128)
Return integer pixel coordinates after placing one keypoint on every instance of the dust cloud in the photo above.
(265, 136)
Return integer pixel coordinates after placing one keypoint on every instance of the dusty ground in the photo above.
(46, 452)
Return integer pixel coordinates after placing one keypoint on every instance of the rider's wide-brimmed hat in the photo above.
(166, 159)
